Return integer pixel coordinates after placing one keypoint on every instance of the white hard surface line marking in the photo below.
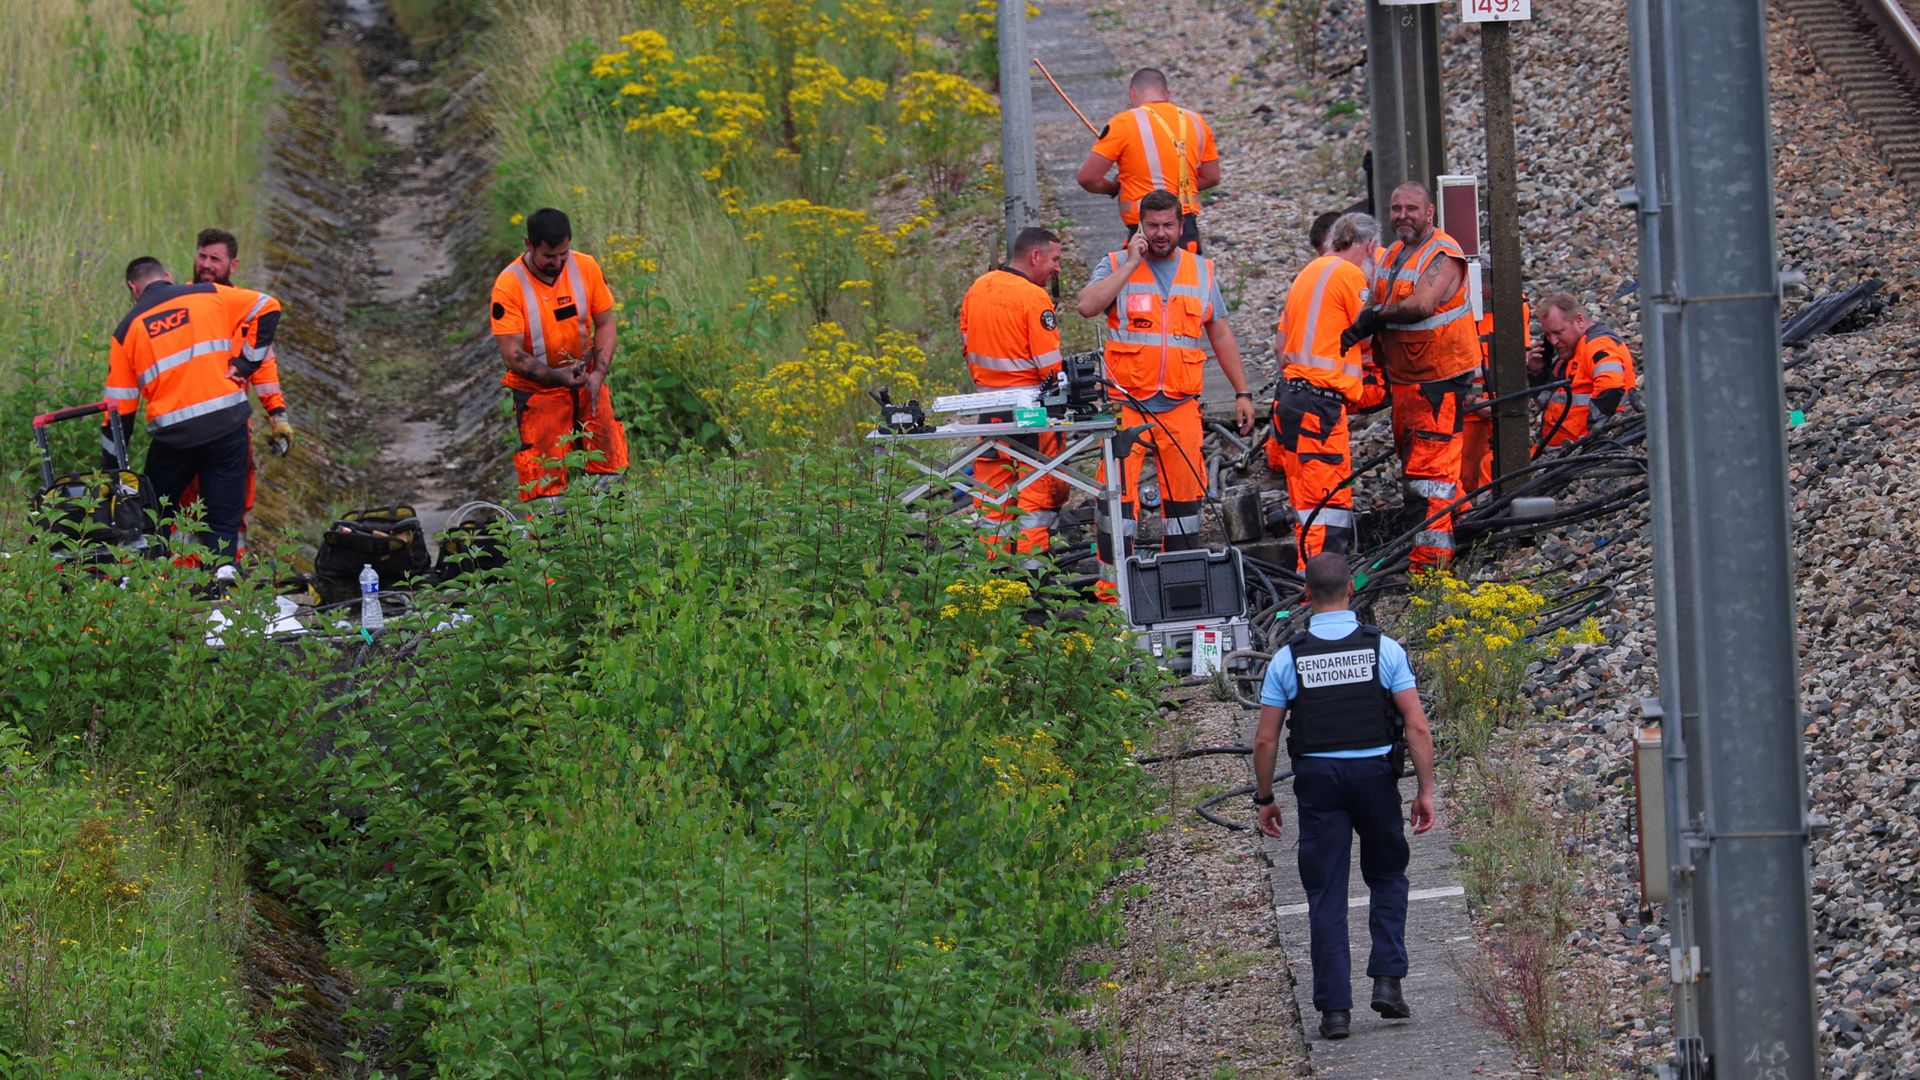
(1437, 893)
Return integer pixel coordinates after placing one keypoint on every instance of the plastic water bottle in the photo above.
(372, 617)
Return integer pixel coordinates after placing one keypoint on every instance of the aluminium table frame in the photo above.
(1080, 437)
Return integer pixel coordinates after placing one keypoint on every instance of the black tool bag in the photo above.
(470, 546)
(97, 508)
(388, 538)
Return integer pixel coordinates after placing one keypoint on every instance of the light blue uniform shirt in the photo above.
(1281, 686)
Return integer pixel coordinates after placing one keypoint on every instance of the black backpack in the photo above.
(388, 538)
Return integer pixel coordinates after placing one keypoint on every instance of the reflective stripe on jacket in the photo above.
(1009, 331)
(175, 349)
(1600, 362)
(266, 383)
(1322, 302)
(1158, 147)
(1438, 347)
(554, 322)
(1155, 345)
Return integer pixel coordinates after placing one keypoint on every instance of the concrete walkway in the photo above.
(1441, 1040)
(1085, 69)
(1090, 224)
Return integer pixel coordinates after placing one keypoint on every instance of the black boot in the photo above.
(1387, 1000)
(1333, 1023)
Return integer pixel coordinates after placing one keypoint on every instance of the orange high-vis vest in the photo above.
(1155, 346)
(1324, 300)
(1009, 330)
(174, 349)
(1158, 147)
(1485, 329)
(554, 322)
(1600, 362)
(1444, 344)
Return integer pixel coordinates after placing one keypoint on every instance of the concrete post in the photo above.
(1403, 90)
(1022, 193)
(1512, 436)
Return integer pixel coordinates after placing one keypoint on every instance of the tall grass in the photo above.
(120, 913)
(832, 200)
(1523, 865)
(126, 127)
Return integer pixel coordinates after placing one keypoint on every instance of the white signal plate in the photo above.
(1481, 11)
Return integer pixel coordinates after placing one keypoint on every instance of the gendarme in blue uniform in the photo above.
(1341, 790)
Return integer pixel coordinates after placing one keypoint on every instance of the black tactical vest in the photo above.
(1340, 703)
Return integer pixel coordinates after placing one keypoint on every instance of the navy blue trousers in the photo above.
(221, 465)
(1337, 798)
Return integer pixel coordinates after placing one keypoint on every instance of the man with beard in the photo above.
(554, 321)
(186, 352)
(216, 255)
(1012, 340)
(1588, 353)
(1163, 304)
(1425, 341)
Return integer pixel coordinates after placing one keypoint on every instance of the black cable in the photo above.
(1205, 807)
(1488, 403)
(1185, 755)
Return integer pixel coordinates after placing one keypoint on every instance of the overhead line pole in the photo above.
(1403, 97)
(1742, 964)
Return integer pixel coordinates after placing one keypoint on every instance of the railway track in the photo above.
(1871, 49)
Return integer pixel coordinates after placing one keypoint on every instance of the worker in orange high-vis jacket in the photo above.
(553, 319)
(1154, 146)
(1426, 342)
(188, 351)
(1320, 383)
(1317, 233)
(1163, 305)
(216, 255)
(1589, 354)
(1476, 430)
(1012, 340)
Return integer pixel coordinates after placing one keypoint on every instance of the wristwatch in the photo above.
(1248, 394)
(1266, 800)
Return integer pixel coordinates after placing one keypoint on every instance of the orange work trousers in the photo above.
(1476, 452)
(1174, 440)
(1029, 517)
(1310, 433)
(546, 419)
(1426, 433)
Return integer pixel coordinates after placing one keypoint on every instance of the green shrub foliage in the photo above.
(728, 773)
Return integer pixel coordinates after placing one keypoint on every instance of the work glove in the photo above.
(1363, 327)
(282, 435)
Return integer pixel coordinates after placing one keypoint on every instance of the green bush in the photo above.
(845, 814)
(909, 785)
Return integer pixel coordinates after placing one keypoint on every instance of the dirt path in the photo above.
(397, 315)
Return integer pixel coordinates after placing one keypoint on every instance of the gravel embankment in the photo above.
(1291, 149)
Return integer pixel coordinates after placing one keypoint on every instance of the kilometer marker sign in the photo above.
(1480, 11)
